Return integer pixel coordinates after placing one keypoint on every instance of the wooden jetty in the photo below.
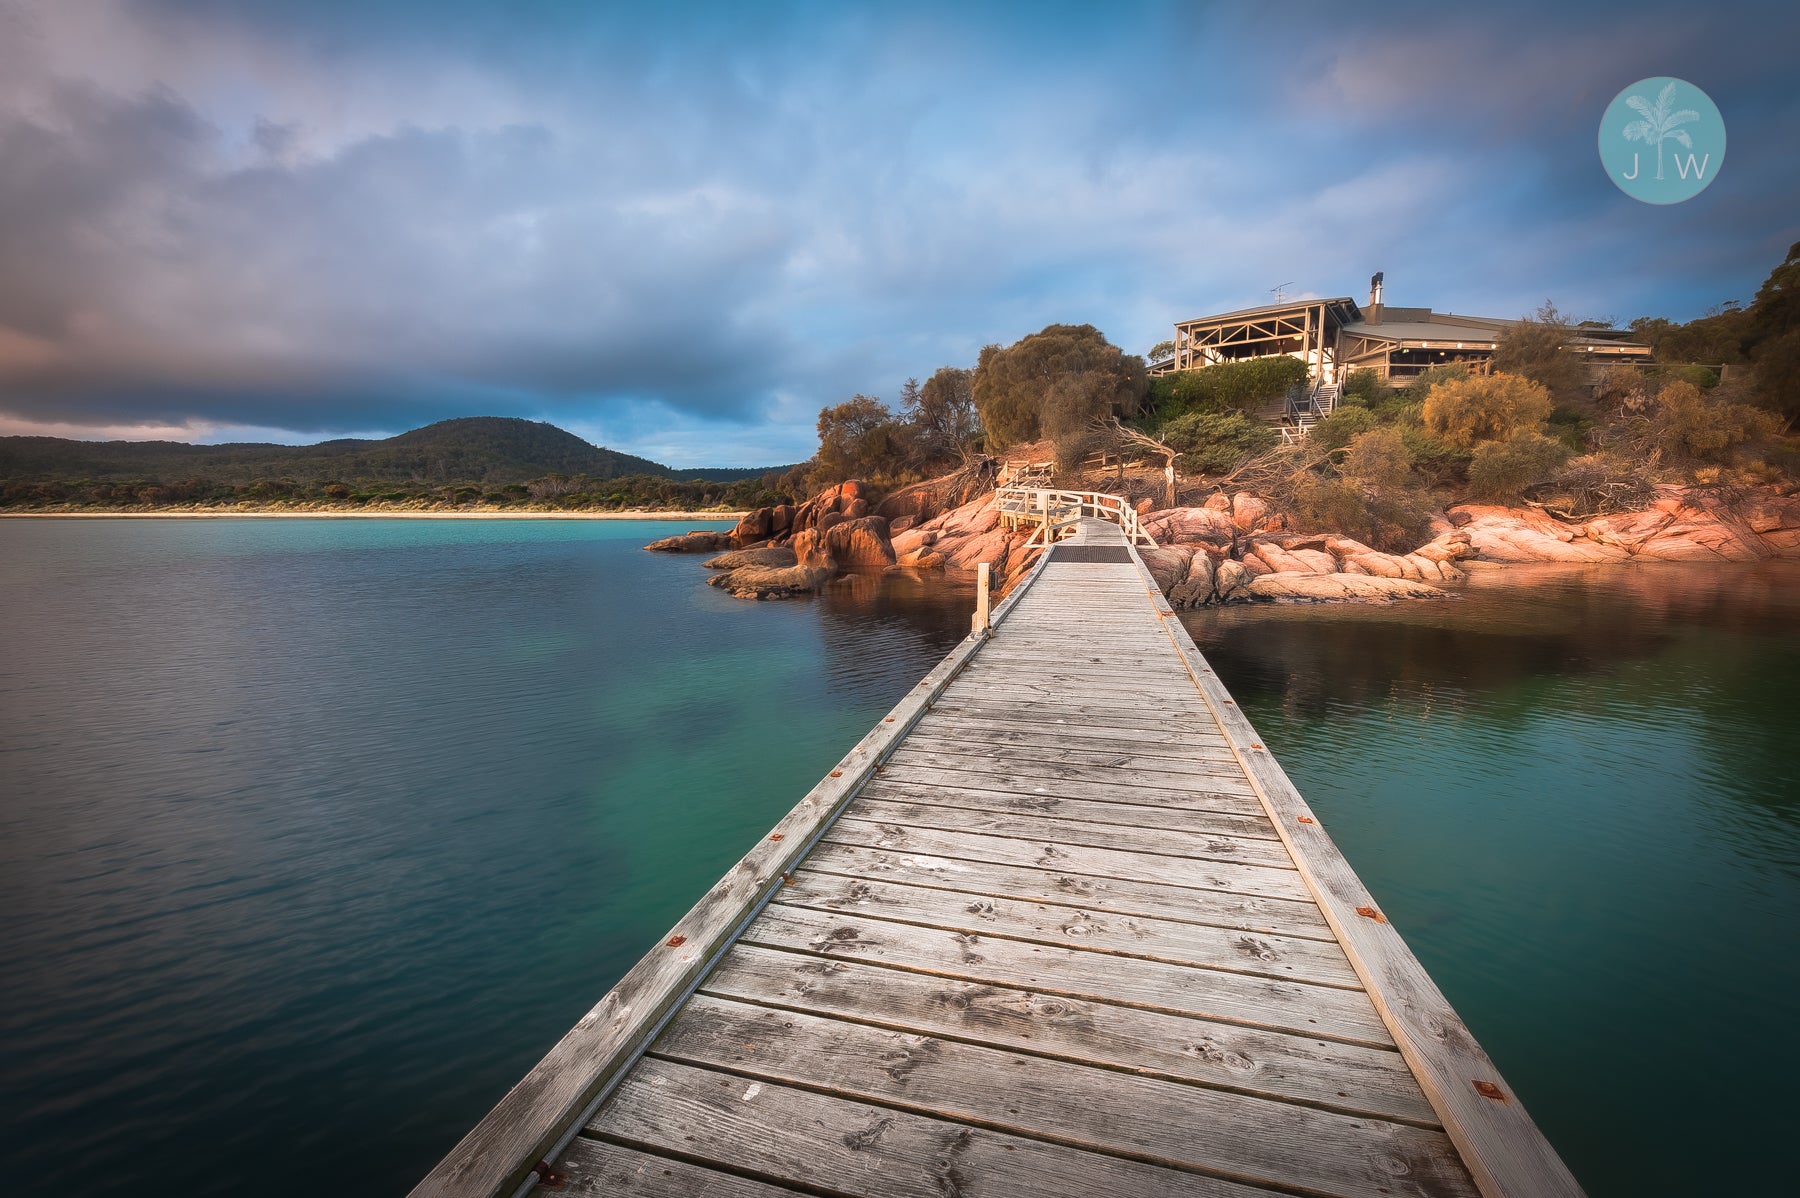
(1058, 925)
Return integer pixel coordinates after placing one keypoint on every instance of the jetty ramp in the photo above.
(1059, 925)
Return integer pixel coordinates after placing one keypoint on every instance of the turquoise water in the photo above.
(1576, 794)
(316, 834)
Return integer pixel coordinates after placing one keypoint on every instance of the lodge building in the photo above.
(1336, 336)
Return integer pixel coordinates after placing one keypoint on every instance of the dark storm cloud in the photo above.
(675, 222)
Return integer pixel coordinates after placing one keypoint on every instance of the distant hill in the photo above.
(495, 450)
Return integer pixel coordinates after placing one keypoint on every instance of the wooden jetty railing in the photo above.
(1059, 925)
(1055, 513)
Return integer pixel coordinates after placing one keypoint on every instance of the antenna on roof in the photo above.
(1277, 289)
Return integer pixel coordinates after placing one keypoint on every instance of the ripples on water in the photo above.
(1576, 794)
(314, 835)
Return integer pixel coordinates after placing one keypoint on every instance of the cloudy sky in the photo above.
(680, 229)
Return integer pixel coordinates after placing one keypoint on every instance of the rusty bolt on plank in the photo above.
(1306, 819)
(1489, 1090)
(676, 941)
(837, 773)
(1371, 913)
(549, 1178)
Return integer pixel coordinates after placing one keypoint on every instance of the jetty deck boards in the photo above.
(1075, 935)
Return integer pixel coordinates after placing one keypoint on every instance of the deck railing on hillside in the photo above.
(1052, 513)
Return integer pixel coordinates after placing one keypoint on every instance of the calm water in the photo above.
(315, 834)
(1577, 795)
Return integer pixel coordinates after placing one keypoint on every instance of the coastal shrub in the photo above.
(1378, 459)
(1489, 408)
(1537, 348)
(1437, 461)
(1394, 520)
(1240, 386)
(1569, 427)
(1687, 425)
(1214, 442)
(1337, 429)
(1416, 391)
(1501, 470)
(1363, 388)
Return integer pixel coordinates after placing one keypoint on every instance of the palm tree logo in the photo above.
(1660, 123)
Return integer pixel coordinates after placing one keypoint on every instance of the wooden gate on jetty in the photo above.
(1058, 925)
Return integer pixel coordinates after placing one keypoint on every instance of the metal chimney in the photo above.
(1374, 313)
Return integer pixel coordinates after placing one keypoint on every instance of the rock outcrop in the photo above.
(698, 541)
(1230, 549)
(762, 555)
(862, 541)
(1685, 525)
(1307, 587)
(812, 566)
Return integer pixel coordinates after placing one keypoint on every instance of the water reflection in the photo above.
(1575, 792)
(314, 835)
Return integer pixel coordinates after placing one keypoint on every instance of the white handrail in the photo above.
(1054, 512)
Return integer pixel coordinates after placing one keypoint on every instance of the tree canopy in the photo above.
(942, 413)
(1054, 381)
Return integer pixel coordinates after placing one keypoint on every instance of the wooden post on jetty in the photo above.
(979, 625)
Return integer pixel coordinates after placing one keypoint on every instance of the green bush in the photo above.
(1227, 385)
(1364, 388)
(1501, 470)
(1337, 429)
(1214, 442)
(1439, 461)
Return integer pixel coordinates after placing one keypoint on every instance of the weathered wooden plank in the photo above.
(1297, 1007)
(595, 1167)
(543, 1108)
(1077, 677)
(1504, 1150)
(1075, 927)
(838, 1146)
(1006, 746)
(1075, 731)
(1070, 711)
(1116, 896)
(1100, 694)
(1171, 814)
(1348, 1077)
(1077, 859)
(1214, 793)
(1165, 842)
(1014, 765)
(1263, 1141)
(1187, 745)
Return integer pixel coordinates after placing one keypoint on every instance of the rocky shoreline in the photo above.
(1231, 549)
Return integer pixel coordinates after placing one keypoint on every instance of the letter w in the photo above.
(1684, 167)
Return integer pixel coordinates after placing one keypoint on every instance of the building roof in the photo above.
(1443, 327)
(1276, 310)
(1433, 330)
